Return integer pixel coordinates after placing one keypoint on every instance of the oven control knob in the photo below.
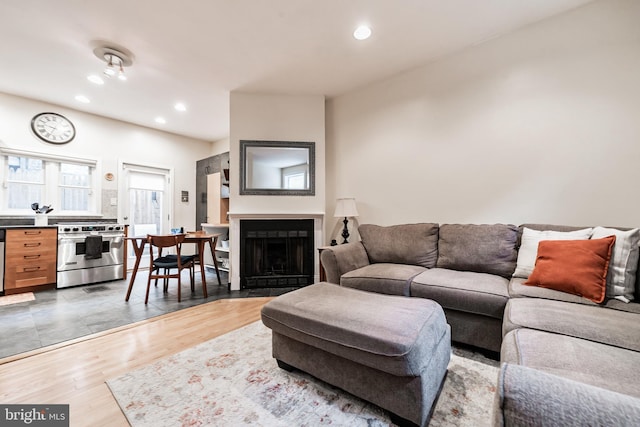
(118, 228)
(75, 229)
(110, 228)
(66, 229)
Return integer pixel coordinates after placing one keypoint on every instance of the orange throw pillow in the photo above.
(577, 267)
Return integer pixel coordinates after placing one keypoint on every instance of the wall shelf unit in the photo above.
(222, 252)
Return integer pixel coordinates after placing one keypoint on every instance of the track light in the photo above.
(116, 60)
(109, 71)
(121, 75)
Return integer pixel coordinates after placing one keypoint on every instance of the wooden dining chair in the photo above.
(160, 266)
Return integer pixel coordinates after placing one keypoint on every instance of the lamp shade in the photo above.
(346, 208)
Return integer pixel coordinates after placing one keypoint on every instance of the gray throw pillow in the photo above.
(482, 248)
(413, 244)
(621, 277)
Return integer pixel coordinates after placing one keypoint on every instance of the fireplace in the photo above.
(276, 253)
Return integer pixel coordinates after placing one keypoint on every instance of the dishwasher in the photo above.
(2, 238)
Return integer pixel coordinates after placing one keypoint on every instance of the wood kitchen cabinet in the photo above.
(30, 259)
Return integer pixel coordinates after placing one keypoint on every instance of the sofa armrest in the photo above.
(527, 396)
(341, 259)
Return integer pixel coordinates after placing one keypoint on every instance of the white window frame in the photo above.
(295, 170)
(52, 185)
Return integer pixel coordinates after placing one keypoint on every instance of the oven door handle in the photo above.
(82, 238)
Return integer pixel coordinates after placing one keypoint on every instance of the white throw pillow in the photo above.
(621, 277)
(529, 246)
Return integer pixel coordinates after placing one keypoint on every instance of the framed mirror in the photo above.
(277, 168)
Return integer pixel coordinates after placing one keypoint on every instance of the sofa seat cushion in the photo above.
(477, 293)
(593, 323)
(614, 304)
(517, 289)
(383, 278)
(529, 397)
(609, 367)
(393, 334)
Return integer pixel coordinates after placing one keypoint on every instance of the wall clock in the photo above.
(53, 128)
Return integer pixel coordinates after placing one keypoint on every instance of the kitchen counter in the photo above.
(14, 227)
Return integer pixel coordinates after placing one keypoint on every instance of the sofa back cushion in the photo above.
(530, 239)
(483, 248)
(414, 244)
(621, 278)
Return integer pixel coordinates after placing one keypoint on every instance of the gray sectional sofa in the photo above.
(560, 350)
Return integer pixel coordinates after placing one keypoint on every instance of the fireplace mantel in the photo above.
(275, 215)
(234, 236)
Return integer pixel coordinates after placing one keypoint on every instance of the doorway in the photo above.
(145, 196)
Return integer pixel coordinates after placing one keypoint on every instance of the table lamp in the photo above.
(346, 208)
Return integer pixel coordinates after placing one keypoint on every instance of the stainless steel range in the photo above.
(90, 253)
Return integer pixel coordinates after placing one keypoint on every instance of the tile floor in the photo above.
(63, 314)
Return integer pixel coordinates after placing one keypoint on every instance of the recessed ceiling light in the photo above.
(95, 79)
(362, 32)
(83, 99)
(160, 120)
(180, 106)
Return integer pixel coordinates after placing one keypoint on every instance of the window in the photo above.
(75, 187)
(295, 177)
(25, 181)
(66, 184)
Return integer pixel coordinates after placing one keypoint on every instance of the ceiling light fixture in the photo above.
(160, 120)
(83, 99)
(116, 60)
(362, 32)
(180, 106)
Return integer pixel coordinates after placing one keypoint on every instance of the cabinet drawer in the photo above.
(32, 274)
(26, 257)
(28, 234)
(29, 240)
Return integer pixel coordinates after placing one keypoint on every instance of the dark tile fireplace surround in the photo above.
(276, 253)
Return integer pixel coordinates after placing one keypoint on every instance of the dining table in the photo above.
(199, 238)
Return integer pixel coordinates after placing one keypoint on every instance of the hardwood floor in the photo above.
(74, 373)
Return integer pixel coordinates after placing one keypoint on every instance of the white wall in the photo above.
(263, 175)
(542, 125)
(277, 118)
(109, 141)
(220, 146)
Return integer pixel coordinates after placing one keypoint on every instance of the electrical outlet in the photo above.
(114, 201)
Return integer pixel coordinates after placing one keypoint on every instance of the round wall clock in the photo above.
(53, 128)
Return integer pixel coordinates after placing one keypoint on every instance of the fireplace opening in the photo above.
(276, 253)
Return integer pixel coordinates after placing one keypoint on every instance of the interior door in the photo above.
(145, 202)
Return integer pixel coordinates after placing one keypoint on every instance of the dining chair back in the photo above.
(161, 266)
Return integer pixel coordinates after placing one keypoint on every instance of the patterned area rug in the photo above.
(232, 380)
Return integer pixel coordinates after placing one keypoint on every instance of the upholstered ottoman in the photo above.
(392, 351)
